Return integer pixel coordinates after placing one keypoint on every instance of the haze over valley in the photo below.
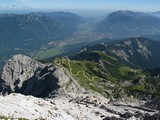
(33, 33)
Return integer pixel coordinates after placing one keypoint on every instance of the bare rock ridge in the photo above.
(21, 74)
(75, 107)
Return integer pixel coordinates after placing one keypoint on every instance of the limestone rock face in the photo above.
(19, 69)
(21, 74)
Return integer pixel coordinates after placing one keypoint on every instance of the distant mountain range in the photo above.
(16, 29)
(23, 29)
(129, 24)
(28, 28)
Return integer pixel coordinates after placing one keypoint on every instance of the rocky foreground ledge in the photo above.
(72, 107)
(32, 90)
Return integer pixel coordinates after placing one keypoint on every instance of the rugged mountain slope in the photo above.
(71, 89)
(109, 68)
(135, 52)
(129, 24)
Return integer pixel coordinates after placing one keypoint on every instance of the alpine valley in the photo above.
(50, 72)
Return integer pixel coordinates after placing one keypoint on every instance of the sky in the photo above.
(93, 6)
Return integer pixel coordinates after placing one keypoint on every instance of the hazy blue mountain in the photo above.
(68, 21)
(129, 24)
(157, 13)
(18, 28)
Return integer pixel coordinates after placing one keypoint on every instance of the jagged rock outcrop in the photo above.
(21, 74)
(19, 69)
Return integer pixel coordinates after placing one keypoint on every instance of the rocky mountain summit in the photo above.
(21, 74)
(51, 92)
(19, 69)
